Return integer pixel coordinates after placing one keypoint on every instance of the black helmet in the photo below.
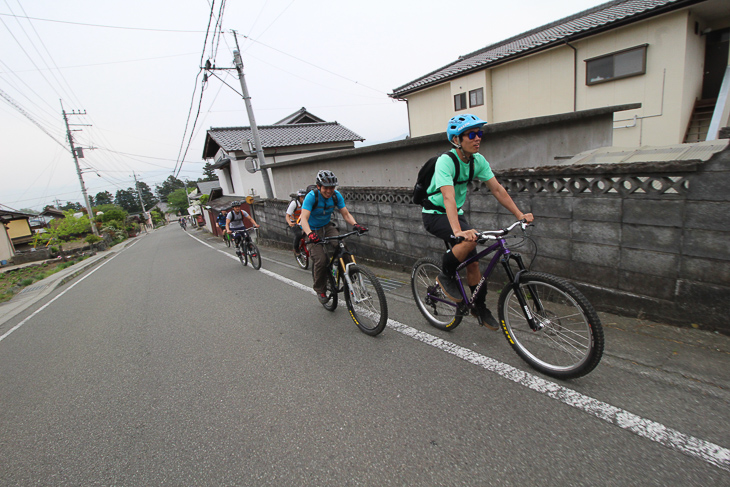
(235, 203)
(326, 178)
(302, 192)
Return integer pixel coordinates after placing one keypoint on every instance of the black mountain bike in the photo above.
(364, 295)
(545, 319)
(246, 249)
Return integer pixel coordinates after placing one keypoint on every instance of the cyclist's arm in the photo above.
(228, 225)
(506, 200)
(289, 215)
(347, 216)
(452, 213)
(304, 221)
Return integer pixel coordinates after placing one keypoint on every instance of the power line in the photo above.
(315, 66)
(103, 26)
(50, 56)
(12, 103)
(179, 163)
(105, 64)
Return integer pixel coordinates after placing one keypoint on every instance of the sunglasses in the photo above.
(474, 135)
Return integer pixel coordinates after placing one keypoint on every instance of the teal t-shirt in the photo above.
(444, 176)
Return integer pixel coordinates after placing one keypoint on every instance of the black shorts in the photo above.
(437, 224)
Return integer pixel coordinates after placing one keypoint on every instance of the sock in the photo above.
(449, 263)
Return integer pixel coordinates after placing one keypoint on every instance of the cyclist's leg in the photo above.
(296, 229)
(439, 226)
(320, 259)
(319, 266)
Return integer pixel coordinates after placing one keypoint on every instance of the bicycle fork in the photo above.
(514, 279)
(356, 291)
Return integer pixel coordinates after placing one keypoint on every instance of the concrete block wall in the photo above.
(649, 240)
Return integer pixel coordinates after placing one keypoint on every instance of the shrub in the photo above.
(92, 239)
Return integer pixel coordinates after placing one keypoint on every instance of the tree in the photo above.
(128, 200)
(28, 211)
(178, 200)
(168, 186)
(71, 206)
(70, 226)
(110, 212)
(147, 196)
(208, 173)
(103, 198)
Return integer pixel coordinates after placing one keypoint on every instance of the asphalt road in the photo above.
(171, 364)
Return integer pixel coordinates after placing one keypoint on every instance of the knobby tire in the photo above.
(370, 312)
(570, 344)
(424, 285)
(255, 255)
(302, 255)
(330, 291)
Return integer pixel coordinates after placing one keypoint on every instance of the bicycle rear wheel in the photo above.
(255, 255)
(427, 292)
(302, 255)
(242, 254)
(366, 301)
(569, 343)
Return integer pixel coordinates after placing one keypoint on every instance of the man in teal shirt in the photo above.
(444, 216)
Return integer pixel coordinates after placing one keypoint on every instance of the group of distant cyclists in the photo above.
(310, 213)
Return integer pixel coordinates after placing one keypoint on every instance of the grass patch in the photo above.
(12, 282)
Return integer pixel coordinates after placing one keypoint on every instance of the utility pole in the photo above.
(78, 169)
(187, 195)
(252, 121)
(139, 195)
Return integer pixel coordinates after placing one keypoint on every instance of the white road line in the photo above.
(7, 333)
(689, 445)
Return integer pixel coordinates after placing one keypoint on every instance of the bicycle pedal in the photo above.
(463, 310)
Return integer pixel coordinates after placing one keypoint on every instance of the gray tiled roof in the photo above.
(205, 186)
(233, 138)
(298, 116)
(582, 24)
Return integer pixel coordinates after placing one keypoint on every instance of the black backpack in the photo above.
(425, 175)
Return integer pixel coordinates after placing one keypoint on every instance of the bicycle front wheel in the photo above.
(255, 255)
(302, 255)
(569, 340)
(433, 304)
(227, 238)
(365, 299)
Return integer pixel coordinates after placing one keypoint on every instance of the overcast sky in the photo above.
(132, 67)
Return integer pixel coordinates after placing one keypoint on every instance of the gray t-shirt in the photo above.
(237, 220)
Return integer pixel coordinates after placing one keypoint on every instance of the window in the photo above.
(476, 97)
(621, 64)
(460, 101)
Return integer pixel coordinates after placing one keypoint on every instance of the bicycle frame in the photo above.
(340, 254)
(501, 254)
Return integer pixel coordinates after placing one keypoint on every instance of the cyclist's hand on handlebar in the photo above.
(527, 217)
(360, 228)
(468, 235)
(313, 238)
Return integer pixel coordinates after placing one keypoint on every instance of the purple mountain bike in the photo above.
(545, 319)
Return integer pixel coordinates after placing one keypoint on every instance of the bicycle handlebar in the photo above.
(341, 236)
(485, 235)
